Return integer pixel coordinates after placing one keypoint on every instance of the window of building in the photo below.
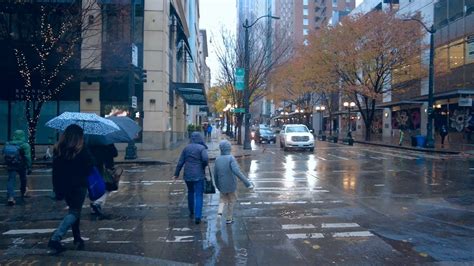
(305, 22)
(441, 13)
(305, 2)
(456, 10)
(305, 12)
(305, 32)
(441, 59)
(469, 6)
(456, 54)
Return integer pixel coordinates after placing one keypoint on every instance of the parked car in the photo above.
(296, 136)
(265, 135)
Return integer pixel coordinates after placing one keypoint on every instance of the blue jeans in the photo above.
(195, 193)
(72, 220)
(12, 182)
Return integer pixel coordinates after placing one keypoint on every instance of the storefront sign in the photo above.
(470, 49)
(465, 102)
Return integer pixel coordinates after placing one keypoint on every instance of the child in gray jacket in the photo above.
(226, 169)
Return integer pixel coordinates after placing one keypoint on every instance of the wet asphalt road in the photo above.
(340, 205)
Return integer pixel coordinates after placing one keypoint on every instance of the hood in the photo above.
(196, 137)
(225, 147)
(19, 135)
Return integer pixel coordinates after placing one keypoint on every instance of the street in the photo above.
(344, 205)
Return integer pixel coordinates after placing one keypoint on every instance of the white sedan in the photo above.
(296, 136)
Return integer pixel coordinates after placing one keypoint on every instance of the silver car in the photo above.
(296, 136)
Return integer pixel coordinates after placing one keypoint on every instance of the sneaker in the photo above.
(11, 201)
(56, 246)
(231, 221)
(197, 221)
(191, 215)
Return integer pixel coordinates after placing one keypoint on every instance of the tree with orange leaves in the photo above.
(360, 55)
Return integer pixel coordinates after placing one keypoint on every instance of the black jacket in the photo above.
(68, 175)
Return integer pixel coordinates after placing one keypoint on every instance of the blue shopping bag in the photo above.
(96, 185)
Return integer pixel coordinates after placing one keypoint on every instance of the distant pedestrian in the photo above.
(72, 165)
(226, 172)
(209, 132)
(17, 156)
(204, 129)
(194, 158)
(402, 136)
(443, 132)
(103, 159)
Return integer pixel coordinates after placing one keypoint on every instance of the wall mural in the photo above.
(406, 119)
(460, 119)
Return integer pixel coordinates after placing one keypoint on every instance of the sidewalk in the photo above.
(393, 142)
(171, 155)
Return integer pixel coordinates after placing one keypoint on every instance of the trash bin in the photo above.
(413, 141)
(420, 141)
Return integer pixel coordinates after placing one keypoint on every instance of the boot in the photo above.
(11, 201)
(56, 246)
(79, 243)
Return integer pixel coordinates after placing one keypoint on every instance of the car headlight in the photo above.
(311, 138)
(288, 138)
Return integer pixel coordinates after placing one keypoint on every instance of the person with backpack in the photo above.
(226, 172)
(443, 132)
(17, 156)
(209, 132)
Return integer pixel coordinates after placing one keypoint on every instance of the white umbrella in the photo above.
(91, 123)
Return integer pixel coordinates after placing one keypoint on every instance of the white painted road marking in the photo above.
(28, 231)
(379, 185)
(338, 225)
(353, 234)
(297, 226)
(181, 239)
(115, 230)
(339, 157)
(305, 236)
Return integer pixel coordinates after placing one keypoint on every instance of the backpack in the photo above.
(12, 154)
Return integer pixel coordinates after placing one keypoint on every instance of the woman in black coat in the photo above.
(72, 165)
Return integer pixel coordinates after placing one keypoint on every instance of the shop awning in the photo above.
(447, 95)
(192, 93)
(398, 103)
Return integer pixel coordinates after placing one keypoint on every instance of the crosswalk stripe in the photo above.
(305, 236)
(297, 226)
(28, 231)
(338, 225)
(352, 234)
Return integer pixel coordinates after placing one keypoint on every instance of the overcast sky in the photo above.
(215, 14)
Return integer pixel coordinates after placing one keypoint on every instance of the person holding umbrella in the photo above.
(72, 165)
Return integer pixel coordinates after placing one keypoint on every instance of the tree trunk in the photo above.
(368, 126)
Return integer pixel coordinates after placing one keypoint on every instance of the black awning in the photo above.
(399, 103)
(192, 93)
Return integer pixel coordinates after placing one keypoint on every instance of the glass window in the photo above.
(455, 9)
(44, 134)
(305, 12)
(441, 13)
(305, 2)
(18, 120)
(305, 32)
(456, 55)
(305, 22)
(3, 121)
(441, 59)
(469, 6)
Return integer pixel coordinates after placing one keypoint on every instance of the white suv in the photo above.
(296, 136)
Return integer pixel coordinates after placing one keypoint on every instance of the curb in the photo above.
(73, 254)
(407, 148)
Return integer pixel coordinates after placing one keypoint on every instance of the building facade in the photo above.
(453, 63)
(155, 62)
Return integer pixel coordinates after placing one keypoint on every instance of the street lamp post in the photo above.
(246, 26)
(320, 110)
(349, 105)
(429, 124)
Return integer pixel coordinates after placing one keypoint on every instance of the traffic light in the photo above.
(140, 75)
(143, 75)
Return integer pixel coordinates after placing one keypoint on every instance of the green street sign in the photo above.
(240, 79)
(239, 110)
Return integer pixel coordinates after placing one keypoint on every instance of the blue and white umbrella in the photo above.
(128, 132)
(91, 123)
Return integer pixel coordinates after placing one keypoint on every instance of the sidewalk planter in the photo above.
(420, 141)
(322, 137)
(332, 139)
